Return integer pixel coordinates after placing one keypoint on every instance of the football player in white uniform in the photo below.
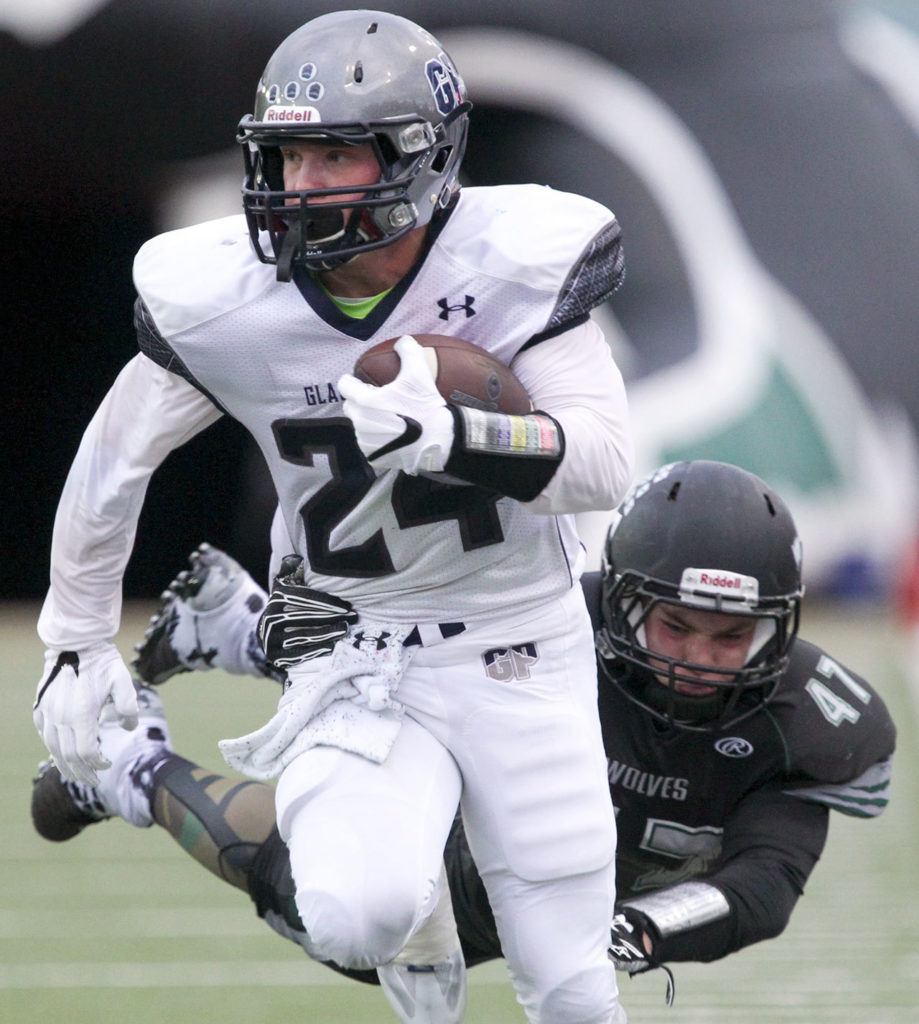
(473, 678)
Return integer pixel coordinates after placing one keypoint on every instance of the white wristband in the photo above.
(681, 907)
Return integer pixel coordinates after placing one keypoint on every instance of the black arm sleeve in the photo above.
(771, 843)
(516, 471)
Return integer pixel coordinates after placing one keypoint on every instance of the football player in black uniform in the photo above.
(729, 739)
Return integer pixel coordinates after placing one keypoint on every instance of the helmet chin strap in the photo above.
(324, 225)
(290, 246)
(321, 226)
(682, 707)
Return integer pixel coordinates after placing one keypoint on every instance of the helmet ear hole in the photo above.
(273, 167)
(441, 159)
(387, 150)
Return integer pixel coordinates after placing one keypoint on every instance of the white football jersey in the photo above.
(510, 265)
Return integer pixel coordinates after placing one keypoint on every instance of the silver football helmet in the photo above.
(353, 77)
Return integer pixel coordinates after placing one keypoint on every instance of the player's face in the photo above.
(714, 639)
(317, 164)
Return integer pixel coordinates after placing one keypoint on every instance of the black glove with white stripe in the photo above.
(627, 947)
(299, 623)
(626, 944)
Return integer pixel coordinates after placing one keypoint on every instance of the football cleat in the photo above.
(61, 810)
(426, 994)
(206, 619)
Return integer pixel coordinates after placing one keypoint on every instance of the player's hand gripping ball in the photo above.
(397, 398)
(463, 373)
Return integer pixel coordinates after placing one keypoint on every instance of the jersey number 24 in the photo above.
(416, 501)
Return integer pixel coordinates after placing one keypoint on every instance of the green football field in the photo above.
(119, 926)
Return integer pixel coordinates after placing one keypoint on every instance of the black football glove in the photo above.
(627, 949)
(299, 623)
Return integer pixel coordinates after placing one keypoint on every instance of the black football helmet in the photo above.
(353, 77)
(709, 536)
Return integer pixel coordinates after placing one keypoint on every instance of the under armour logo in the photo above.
(446, 309)
(371, 641)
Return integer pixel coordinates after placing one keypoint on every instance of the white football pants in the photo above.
(502, 718)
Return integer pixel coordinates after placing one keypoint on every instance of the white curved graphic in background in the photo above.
(43, 22)
(889, 53)
(748, 325)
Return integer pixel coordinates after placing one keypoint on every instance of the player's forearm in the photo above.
(147, 413)
(747, 901)
(574, 379)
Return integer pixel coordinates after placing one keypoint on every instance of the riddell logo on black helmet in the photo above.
(727, 582)
(719, 582)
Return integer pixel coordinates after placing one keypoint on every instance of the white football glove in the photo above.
(404, 424)
(263, 754)
(69, 700)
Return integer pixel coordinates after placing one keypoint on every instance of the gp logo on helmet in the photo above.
(445, 84)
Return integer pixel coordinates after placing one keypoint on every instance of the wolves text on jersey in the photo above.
(667, 787)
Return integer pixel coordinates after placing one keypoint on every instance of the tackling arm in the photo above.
(771, 844)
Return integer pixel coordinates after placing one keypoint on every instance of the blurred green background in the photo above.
(119, 925)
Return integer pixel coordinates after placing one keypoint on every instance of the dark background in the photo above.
(822, 168)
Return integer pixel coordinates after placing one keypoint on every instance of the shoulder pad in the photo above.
(189, 276)
(556, 242)
(836, 726)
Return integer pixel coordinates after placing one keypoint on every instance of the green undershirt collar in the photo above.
(357, 309)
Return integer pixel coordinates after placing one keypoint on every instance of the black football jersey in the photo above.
(746, 809)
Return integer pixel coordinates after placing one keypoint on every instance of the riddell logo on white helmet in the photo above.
(291, 115)
(704, 582)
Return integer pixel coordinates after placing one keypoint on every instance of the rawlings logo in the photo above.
(734, 746)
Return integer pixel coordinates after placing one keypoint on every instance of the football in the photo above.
(464, 373)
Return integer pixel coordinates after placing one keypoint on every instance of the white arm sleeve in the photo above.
(146, 414)
(573, 378)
